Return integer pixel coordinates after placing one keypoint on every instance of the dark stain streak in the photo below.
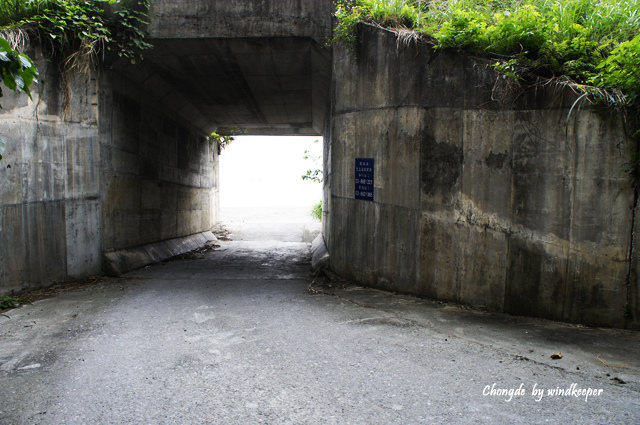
(496, 161)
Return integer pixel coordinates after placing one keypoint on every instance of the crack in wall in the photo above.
(630, 272)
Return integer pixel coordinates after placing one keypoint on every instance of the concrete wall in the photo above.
(112, 169)
(50, 222)
(247, 18)
(159, 176)
(508, 205)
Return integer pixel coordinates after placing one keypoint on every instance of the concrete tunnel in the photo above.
(120, 173)
(470, 204)
(255, 68)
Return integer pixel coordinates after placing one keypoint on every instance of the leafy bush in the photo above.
(68, 25)
(622, 69)
(221, 142)
(16, 10)
(314, 175)
(71, 26)
(348, 16)
(465, 30)
(17, 72)
(8, 302)
(316, 211)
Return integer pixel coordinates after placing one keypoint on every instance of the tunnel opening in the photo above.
(158, 118)
(263, 195)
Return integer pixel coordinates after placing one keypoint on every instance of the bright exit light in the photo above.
(266, 171)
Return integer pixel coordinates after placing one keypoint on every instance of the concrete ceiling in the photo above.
(260, 66)
(257, 85)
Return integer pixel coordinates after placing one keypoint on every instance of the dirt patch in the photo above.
(221, 233)
(29, 297)
(196, 253)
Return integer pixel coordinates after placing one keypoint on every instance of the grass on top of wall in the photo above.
(592, 44)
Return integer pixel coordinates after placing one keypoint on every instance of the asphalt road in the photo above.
(244, 335)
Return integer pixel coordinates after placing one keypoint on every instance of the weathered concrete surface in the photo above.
(120, 261)
(256, 85)
(191, 19)
(263, 85)
(319, 253)
(262, 67)
(505, 205)
(633, 298)
(111, 169)
(49, 184)
(159, 174)
(478, 202)
(235, 337)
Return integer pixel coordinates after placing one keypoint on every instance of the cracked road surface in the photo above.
(238, 336)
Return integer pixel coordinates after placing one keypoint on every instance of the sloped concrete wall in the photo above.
(110, 170)
(483, 196)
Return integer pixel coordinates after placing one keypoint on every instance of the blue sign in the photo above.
(364, 179)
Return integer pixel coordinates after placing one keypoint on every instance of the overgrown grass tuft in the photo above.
(392, 12)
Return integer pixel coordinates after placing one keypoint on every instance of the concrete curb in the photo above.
(117, 262)
(319, 253)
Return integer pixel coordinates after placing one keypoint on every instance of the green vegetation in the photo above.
(316, 211)
(17, 10)
(316, 160)
(73, 29)
(594, 45)
(221, 142)
(8, 302)
(314, 175)
(17, 72)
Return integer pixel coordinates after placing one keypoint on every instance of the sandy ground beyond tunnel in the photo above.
(238, 336)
